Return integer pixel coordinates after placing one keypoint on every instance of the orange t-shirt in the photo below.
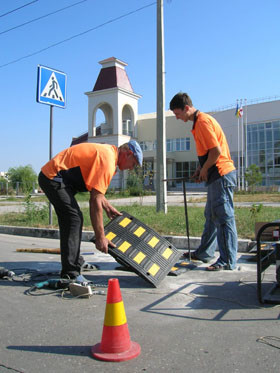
(84, 166)
(208, 134)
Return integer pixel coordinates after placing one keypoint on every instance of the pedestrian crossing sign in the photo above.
(51, 87)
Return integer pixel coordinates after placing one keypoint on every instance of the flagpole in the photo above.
(242, 145)
(246, 141)
(238, 150)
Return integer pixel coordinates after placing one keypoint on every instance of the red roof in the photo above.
(80, 139)
(111, 77)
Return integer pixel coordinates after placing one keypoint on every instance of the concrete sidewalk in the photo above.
(173, 199)
(195, 322)
(180, 242)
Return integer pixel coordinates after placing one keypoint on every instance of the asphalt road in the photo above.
(195, 322)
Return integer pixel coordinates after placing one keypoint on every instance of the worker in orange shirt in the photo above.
(81, 168)
(217, 170)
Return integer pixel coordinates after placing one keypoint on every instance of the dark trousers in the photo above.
(70, 220)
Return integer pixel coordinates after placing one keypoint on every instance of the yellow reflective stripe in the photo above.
(167, 252)
(153, 241)
(114, 314)
(139, 231)
(154, 269)
(110, 236)
(125, 222)
(124, 246)
(139, 257)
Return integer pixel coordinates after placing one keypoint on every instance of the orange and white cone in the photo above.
(115, 343)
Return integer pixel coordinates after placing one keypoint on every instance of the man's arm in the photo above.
(97, 203)
(213, 156)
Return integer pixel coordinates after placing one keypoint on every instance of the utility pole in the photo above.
(161, 134)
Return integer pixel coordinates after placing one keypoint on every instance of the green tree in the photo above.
(25, 175)
(253, 176)
(3, 185)
(135, 183)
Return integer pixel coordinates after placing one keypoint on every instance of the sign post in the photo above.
(51, 90)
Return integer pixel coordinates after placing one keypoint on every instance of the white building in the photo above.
(114, 97)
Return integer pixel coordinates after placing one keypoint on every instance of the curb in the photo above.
(180, 242)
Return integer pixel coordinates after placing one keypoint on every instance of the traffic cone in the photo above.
(115, 343)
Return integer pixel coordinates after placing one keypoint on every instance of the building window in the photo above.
(146, 145)
(178, 145)
(172, 145)
(186, 170)
(127, 127)
(263, 148)
(143, 145)
(169, 145)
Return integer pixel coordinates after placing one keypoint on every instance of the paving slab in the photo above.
(195, 322)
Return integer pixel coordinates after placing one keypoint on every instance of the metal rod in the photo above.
(186, 218)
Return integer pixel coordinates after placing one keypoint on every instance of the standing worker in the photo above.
(81, 168)
(216, 168)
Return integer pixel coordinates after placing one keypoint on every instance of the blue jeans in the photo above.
(220, 228)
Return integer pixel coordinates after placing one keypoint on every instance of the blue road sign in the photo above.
(51, 87)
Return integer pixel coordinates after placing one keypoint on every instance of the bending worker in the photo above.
(217, 170)
(81, 168)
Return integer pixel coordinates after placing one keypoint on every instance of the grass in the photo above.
(173, 223)
(238, 197)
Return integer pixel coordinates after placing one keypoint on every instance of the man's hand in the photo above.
(195, 176)
(97, 204)
(203, 175)
(103, 243)
(111, 212)
(213, 155)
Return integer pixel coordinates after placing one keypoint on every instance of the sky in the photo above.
(217, 51)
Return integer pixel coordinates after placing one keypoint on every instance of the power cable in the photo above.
(80, 34)
(14, 10)
(266, 339)
(44, 16)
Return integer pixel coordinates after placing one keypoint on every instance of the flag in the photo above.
(238, 111)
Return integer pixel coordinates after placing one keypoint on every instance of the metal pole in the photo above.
(186, 217)
(238, 153)
(246, 142)
(50, 157)
(161, 136)
(242, 147)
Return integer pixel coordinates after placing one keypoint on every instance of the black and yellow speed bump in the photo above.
(181, 267)
(140, 248)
